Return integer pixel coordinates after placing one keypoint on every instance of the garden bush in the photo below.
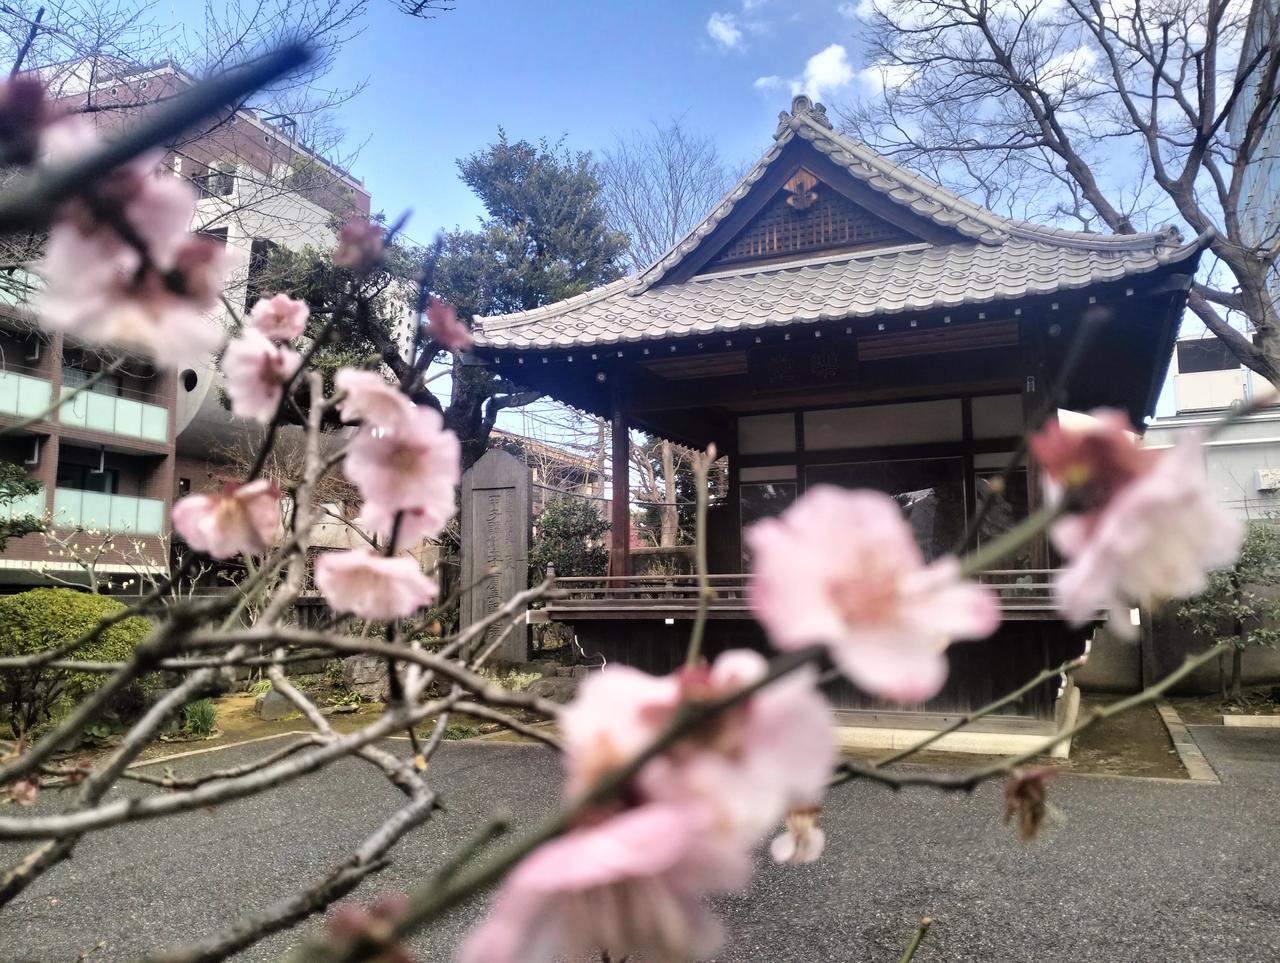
(45, 618)
(200, 717)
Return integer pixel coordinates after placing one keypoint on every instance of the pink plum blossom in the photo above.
(1142, 525)
(841, 568)
(630, 885)
(256, 371)
(749, 765)
(444, 328)
(629, 877)
(280, 317)
(416, 523)
(100, 289)
(414, 466)
(803, 841)
(360, 245)
(373, 586)
(368, 398)
(240, 519)
(24, 791)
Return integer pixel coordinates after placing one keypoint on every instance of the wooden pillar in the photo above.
(620, 530)
(1034, 392)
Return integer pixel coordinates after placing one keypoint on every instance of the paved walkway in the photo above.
(1135, 871)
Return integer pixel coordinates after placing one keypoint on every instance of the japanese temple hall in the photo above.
(838, 319)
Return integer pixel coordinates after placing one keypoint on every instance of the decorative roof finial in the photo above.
(802, 104)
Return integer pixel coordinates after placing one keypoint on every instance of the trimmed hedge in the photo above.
(45, 618)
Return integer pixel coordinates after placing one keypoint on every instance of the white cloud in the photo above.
(879, 77)
(750, 5)
(825, 72)
(1072, 68)
(724, 30)
(862, 10)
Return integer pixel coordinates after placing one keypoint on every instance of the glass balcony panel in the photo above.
(102, 411)
(150, 516)
(124, 514)
(155, 423)
(95, 510)
(116, 513)
(128, 417)
(66, 507)
(115, 415)
(23, 395)
(27, 505)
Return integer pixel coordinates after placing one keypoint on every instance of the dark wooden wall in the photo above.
(981, 672)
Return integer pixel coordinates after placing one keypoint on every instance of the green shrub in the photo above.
(260, 687)
(460, 730)
(571, 536)
(45, 618)
(199, 717)
(510, 678)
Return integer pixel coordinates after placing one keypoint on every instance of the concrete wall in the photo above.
(1233, 458)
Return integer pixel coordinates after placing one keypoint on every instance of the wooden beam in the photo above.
(620, 530)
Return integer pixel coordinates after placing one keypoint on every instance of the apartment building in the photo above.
(112, 460)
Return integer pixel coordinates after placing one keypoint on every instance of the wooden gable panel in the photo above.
(808, 216)
(971, 336)
(699, 366)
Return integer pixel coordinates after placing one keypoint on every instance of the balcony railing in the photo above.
(1023, 594)
(115, 415)
(24, 395)
(73, 508)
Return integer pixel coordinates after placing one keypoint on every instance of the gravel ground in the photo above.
(1134, 870)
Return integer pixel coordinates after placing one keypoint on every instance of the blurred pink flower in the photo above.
(1093, 461)
(803, 841)
(351, 923)
(240, 519)
(24, 791)
(1156, 537)
(444, 328)
(256, 371)
(98, 286)
(749, 766)
(360, 245)
(628, 886)
(373, 586)
(369, 399)
(841, 568)
(280, 317)
(416, 523)
(413, 466)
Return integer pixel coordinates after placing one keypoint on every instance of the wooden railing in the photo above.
(1023, 594)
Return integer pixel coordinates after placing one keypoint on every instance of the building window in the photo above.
(759, 500)
(184, 487)
(930, 492)
(111, 384)
(1205, 354)
(87, 478)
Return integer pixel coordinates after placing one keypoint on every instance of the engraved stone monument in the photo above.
(496, 517)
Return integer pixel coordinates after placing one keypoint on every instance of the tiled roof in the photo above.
(995, 258)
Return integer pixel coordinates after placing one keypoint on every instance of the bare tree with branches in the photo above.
(1111, 114)
(657, 184)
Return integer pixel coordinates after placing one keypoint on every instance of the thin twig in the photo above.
(909, 953)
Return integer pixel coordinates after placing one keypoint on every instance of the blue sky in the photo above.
(588, 70)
